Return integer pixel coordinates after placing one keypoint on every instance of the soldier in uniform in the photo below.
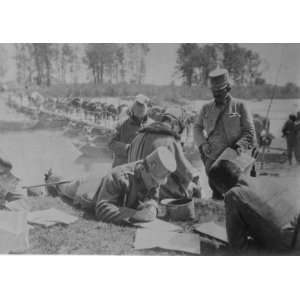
(261, 215)
(131, 191)
(126, 131)
(223, 122)
(289, 133)
(167, 133)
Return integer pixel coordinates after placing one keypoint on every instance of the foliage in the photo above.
(43, 64)
(34, 63)
(194, 62)
(3, 61)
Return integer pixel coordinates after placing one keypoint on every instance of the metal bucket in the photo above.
(179, 209)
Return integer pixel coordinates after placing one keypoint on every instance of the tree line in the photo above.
(45, 63)
(194, 62)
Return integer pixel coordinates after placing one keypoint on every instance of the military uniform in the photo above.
(119, 191)
(120, 141)
(123, 193)
(223, 122)
(235, 127)
(265, 211)
(289, 132)
(156, 135)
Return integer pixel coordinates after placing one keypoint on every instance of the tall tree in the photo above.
(99, 58)
(43, 54)
(24, 63)
(3, 61)
(135, 57)
(187, 61)
(63, 56)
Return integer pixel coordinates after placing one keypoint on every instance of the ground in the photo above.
(88, 236)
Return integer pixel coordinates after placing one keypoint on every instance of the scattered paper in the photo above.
(50, 217)
(13, 232)
(18, 205)
(213, 230)
(185, 242)
(159, 225)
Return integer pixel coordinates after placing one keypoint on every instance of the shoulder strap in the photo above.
(218, 120)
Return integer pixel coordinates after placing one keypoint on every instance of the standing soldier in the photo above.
(222, 123)
(289, 133)
(126, 131)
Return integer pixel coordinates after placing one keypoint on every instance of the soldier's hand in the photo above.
(127, 148)
(238, 149)
(203, 149)
(147, 212)
(194, 189)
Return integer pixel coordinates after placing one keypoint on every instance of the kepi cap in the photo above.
(161, 162)
(219, 79)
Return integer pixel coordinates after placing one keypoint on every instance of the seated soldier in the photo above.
(129, 191)
(260, 214)
(167, 133)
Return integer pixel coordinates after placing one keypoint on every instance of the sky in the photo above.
(161, 62)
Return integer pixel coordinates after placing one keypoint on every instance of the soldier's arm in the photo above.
(284, 129)
(185, 171)
(198, 130)
(248, 136)
(115, 143)
(236, 226)
(109, 198)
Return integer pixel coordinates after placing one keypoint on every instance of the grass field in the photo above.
(88, 236)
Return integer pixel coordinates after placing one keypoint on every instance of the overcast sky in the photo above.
(161, 62)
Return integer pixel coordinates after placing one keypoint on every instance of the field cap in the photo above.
(141, 99)
(161, 162)
(219, 79)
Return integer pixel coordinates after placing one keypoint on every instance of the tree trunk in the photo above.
(101, 72)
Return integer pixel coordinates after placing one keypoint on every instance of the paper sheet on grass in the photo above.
(18, 205)
(159, 225)
(213, 230)
(50, 217)
(185, 242)
(13, 232)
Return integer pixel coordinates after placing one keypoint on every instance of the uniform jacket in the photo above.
(120, 192)
(153, 136)
(288, 130)
(119, 143)
(268, 210)
(237, 121)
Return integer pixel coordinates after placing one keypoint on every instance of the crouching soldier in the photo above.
(260, 214)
